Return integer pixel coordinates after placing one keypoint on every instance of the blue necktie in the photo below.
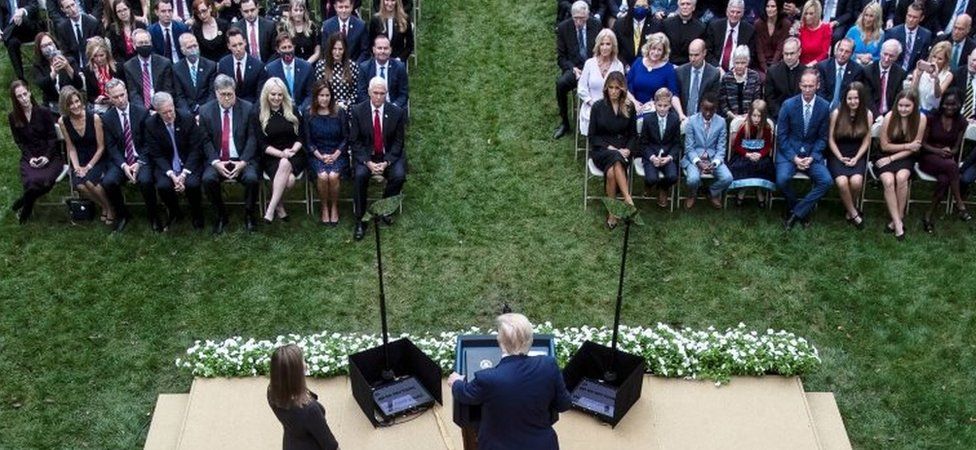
(837, 82)
(290, 79)
(177, 162)
(12, 4)
(383, 72)
(193, 75)
(582, 43)
(807, 112)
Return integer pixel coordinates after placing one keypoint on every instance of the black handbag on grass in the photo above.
(80, 209)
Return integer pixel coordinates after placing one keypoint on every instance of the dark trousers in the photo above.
(248, 178)
(20, 34)
(661, 177)
(30, 197)
(819, 176)
(395, 174)
(945, 171)
(564, 85)
(114, 179)
(967, 173)
(167, 193)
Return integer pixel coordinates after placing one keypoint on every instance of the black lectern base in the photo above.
(418, 381)
(586, 378)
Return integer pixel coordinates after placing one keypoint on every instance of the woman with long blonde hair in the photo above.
(814, 33)
(931, 78)
(589, 88)
(305, 33)
(101, 69)
(867, 34)
(392, 20)
(279, 132)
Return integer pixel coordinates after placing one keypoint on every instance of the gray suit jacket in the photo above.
(709, 83)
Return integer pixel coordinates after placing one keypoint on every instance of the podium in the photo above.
(476, 352)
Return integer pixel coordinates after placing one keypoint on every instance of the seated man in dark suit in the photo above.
(915, 38)
(376, 157)
(801, 137)
(20, 24)
(696, 78)
(521, 397)
(294, 71)
(964, 80)
(194, 76)
(73, 32)
(259, 33)
(147, 73)
(959, 38)
(885, 78)
(392, 70)
(173, 141)
(831, 85)
(230, 148)
(660, 146)
(682, 28)
(783, 78)
(245, 69)
(574, 45)
(166, 31)
(357, 36)
(724, 35)
(94, 8)
(129, 161)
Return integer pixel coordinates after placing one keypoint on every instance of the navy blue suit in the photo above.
(828, 74)
(176, 28)
(303, 78)
(920, 48)
(253, 75)
(357, 37)
(519, 399)
(792, 141)
(397, 84)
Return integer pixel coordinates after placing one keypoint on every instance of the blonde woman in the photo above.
(589, 88)
(305, 33)
(652, 72)
(101, 69)
(392, 20)
(931, 78)
(279, 140)
(867, 34)
(814, 34)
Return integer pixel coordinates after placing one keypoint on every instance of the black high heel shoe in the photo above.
(856, 221)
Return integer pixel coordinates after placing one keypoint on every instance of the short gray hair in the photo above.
(223, 81)
(161, 98)
(793, 40)
(580, 7)
(114, 83)
(514, 333)
(893, 44)
(376, 82)
(739, 3)
(139, 31)
(740, 52)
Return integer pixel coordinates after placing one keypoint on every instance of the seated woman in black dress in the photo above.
(305, 33)
(901, 139)
(613, 135)
(946, 128)
(210, 31)
(848, 140)
(751, 161)
(297, 408)
(102, 68)
(328, 157)
(392, 20)
(279, 131)
(82, 131)
(53, 70)
(119, 30)
(32, 128)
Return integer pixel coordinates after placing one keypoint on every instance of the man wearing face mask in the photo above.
(147, 73)
(632, 31)
(295, 72)
(259, 33)
(392, 70)
(194, 75)
(682, 28)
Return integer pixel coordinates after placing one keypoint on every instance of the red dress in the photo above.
(814, 43)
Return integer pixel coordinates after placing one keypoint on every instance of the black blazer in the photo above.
(91, 83)
(680, 34)
(651, 143)
(267, 32)
(188, 142)
(64, 32)
(305, 427)
(118, 42)
(872, 76)
(401, 44)
(115, 139)
(828, 73)
(211, 123)
(253, 71)
(715, 34)
(567, 47)
(781, 84)
(49, 86)
(191, 97)
(361, 132)
(26, 26)
(91, 7)
(624, 29)
(162, 77)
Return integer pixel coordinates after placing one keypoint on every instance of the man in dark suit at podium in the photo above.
(520, 398)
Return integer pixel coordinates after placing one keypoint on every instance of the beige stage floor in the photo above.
(748, 413)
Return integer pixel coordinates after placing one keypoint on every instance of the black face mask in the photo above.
(144, 50)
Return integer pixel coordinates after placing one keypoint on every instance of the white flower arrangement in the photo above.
(669, 352)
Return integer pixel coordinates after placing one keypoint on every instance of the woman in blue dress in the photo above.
(328, 156)
(867, 34)
(86, 149)
(651, 72)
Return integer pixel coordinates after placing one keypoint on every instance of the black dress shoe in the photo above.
(561, 131)
(219, 225)
(156, 224)
(249, 224)
(388, 219)
(360, 231)
(790, 222)
(19, 203)
(120, 224)
(198, 223)
(806, 222)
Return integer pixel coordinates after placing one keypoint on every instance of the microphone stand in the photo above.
(387, 371)
(610, 375)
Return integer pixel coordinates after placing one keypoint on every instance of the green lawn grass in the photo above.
(91, 323)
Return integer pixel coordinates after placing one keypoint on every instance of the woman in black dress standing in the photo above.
(53, 70)
(326, 135)
(279, 141)
(32, 128)
(86, 149)
(305, 33)
(613, 135)
(341, 73)
(848, 140)
(210, 31)
(901, 139)
(298, 409)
